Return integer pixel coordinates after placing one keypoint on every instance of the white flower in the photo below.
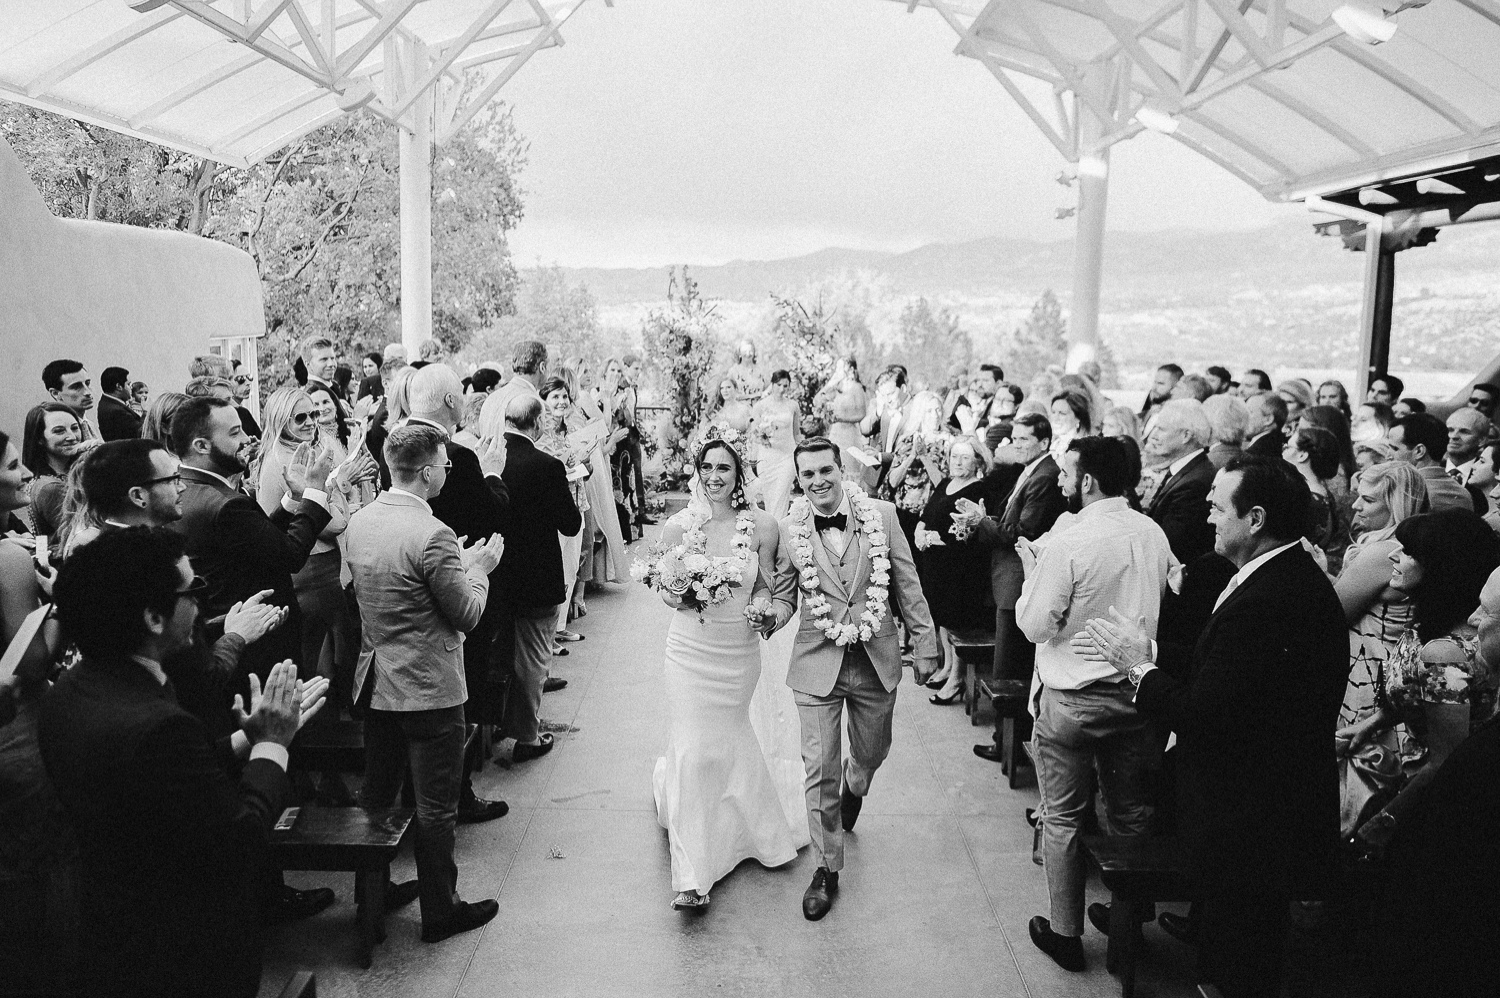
(639, 570)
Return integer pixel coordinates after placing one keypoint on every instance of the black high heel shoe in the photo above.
(936, 683)
(946, 701)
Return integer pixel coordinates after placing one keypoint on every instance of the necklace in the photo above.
(877, 592)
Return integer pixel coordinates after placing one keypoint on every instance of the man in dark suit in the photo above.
(1252, 704)
(475, 503)
(170, 848)
(1264, 436)
(1178, 442)
(117, 421)
(530, 578)
(234, 546)
(321, 358)
(1031, 506)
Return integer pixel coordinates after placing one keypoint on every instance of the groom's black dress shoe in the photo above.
(1066, 951)
(819, 896)
(849, 806)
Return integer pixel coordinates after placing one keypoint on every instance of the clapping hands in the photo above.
(309, 468)
(966, 516)
(278, 713)
(492, 454)
(483, 555)
(254, 618)
(1117, 641)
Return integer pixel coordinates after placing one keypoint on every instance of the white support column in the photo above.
(1088, 245)
(415, 137)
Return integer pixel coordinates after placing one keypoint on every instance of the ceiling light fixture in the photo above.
(1364, 24)
(1374, 195)
(1156, 119)
(1093, 166)
(1432, 185)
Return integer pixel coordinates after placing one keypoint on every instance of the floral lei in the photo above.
(876, 593)
(695, 541)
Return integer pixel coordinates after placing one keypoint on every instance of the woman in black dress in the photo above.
(955, 576)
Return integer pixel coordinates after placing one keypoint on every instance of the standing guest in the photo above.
(777, 422)
(1333, 393)
(170, 849)
(1468, 429)
(618, 396)
(1228, 418)
(322, 360)
(1314, 453)
(1387, 388)
(157, 423)
(1121, 421)
(1167, 377)
(1193, 386)
(1108, 556)
(975, 413)
(1485, 398)
(1378, 614)
(473, 503)
(1032, 505)
(883, 424)
(243, 380)
(1371, 453)
(528, 361)
(208, 365)
(1219, 379)
(1407, 406)
(1253, 382)
(608, 544)
(1070, 418)
(209, 386)
(70, 383)
(1372, 420)
(953, 573)
(726, 410)
(1179, 441)
(1297, 393)
(484, 380)
(530, 577)
(117, 420)
(429, 352)
(52, 444)
(369, 382)
(919, 462)
(418, 591)
(236, 547)
(557, 404)
(1421, 440)
(1263, 434)
(19, 592)
(844, 398)
(1326, 417)
(126, 483)
(1251, 705)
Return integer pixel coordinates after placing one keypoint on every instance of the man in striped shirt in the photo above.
(1107, 555)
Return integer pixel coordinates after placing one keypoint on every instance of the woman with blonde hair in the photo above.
(1297, 393)
(1378, 614)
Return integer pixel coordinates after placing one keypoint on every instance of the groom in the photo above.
(845, 558)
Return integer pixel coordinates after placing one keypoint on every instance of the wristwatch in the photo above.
(1137, 672)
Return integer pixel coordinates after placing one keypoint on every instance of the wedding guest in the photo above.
(746, 373)
(157, 423)
(981, 411)
(126, 483)
(1033, 503)
(1387, 388)
(777, 422)
(727, 410)
(844, 398)
(70, 383)
(1468, 430)
(1264, 435)
(1313, 452)
(602, 526)
(1193, 386)
(953, 573)
(1167, 377)
(530, 582)
(919, 462)
(1370, 453)
(1378, 614)
(169, 845)
(1485, 398)
(1107, 556)
(243, 380)
(1251, 705)
(208, 365)
(1333, 393)
(1070, 418)
(1421, 440)
(370, 385)
(209, 387)
(1121, 421)
(1297, 393)
(53, 442)
(1228, 418)
(623, 386)
(322, 360)
(1254, 382)
(1407, 406)
(557, 404)
(418, 591)
(1372, 420)
(1178, 441)
(19, 593)
(1219, 379)
(140, 396)
(117, 420)
(885, 418)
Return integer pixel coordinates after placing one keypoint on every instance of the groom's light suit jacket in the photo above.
(816, 660)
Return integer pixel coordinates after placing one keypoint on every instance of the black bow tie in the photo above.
(837, 521)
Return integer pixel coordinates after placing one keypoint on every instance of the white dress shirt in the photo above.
(425, 504)
(1108, 555)
(833, 539)
(1182, 462)
(1251, 567)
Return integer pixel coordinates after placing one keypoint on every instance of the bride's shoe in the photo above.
(688, 901)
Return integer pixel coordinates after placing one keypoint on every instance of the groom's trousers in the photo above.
(870, 706)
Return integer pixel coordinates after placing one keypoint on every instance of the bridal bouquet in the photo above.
(697, 580)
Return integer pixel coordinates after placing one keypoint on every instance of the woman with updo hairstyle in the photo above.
(1314, 453)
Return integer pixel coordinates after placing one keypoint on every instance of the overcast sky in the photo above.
(702, 131)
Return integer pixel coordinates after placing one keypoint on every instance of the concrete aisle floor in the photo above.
(935, 897)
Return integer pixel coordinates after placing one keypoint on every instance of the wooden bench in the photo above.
(976, 655)
(349, 840)
(1139, 871)
(1008, 697)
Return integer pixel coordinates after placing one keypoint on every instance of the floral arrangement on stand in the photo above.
(687, 572)
(680, 343)
(877, 592)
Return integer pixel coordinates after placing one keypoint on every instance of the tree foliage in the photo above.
(811, 339)
(1040, 342)
(320, 218)
(550, 309)
(929, 342)
(680, 342)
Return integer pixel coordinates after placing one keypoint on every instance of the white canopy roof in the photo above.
(1276, 91)
(235, 80)
(1279, 92)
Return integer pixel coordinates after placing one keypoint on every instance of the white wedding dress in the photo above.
(727, 789)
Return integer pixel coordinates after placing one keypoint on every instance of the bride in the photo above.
(715, 793)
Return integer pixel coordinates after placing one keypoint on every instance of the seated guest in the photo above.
(1228, 418)
(53, 442)
(1106, 557)
(1421, 440)
(418, 591)
(1179, 442)
(1167, 377)
(1251, 704)
(953, 573)
(117, 420)
(1219, 379)
(1254, 382)
(1263, 434)
(170, 848)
